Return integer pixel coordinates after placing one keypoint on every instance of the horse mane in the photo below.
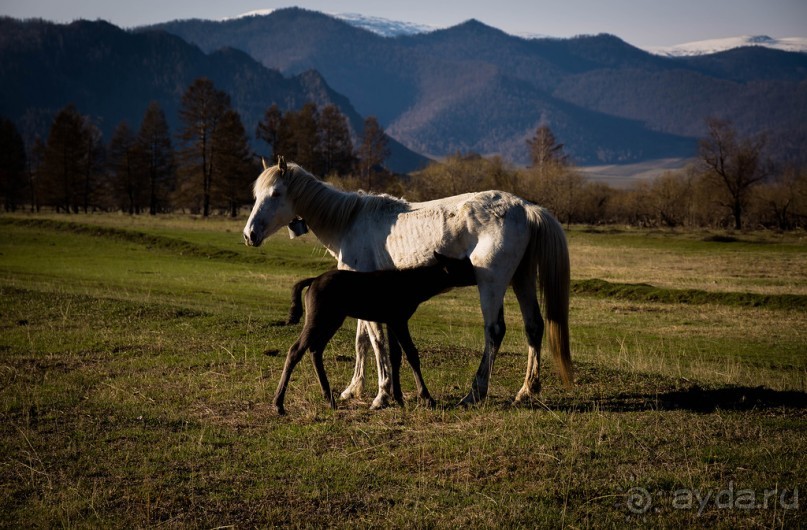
(320, 203)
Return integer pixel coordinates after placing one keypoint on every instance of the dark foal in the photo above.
(390, 297)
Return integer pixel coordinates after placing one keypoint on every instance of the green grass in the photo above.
(138, 359)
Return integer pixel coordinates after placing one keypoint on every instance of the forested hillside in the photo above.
(112, 75)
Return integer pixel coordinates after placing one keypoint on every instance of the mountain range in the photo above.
(466, 88)
(472, 87)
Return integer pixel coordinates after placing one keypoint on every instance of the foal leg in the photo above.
(356, 386)
(413, 358)
(319, 366)
(296, 353)
(395, 361)
(524, 288)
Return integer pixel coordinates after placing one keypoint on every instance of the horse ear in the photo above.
(281, 163)
(263, 161)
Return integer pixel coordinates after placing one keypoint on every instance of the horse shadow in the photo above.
(693, 399)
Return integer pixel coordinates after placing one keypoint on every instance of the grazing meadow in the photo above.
(139, 357)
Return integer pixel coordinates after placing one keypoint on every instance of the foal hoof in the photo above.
(471, 399)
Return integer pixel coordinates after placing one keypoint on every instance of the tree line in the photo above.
(732, 184)
(207, 166)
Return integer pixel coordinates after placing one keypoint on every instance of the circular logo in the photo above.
(638, 500)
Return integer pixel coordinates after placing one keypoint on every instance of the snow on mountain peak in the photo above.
(255, 13)
(705, 47)
(383, 26)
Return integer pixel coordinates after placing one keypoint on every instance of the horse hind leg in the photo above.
(495, 328)
(524, 288)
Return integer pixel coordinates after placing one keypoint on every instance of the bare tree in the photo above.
(735, 164)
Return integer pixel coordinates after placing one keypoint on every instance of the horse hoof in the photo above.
(353, 391)
(281, 411)
(527, 394)
(381, 401)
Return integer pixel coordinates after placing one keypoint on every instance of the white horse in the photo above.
(509, 241)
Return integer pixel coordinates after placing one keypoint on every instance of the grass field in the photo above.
(139, 356)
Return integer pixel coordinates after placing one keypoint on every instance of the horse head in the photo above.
(273, 209)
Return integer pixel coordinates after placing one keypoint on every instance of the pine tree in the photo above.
(233, 168)
(12, 165)
(156, 156)
(64, 162)
(122, 160)
(269, 128)
(305, 124)
(373, 149)
(335, 147)
(202, 108)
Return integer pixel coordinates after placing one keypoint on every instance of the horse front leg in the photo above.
(493, 313)
(385, 390)
(356, 386)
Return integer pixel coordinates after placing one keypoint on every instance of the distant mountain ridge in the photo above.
(112, 75)
(472, 87)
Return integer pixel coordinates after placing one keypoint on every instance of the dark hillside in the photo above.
(112, 75)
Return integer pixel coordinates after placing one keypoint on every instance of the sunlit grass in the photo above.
(136, 376)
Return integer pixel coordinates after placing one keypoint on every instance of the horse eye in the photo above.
(275, 193)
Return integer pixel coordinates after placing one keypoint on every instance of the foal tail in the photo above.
(296, 310)
(549, 249)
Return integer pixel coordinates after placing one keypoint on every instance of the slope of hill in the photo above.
(475, 88)
(112, 75)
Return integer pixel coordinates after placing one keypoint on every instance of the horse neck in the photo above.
(325, 209)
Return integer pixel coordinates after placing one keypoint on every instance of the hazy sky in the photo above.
(642, 23)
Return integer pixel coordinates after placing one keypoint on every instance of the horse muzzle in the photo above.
(252, 239)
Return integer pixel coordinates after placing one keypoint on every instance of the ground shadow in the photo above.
(694, 399)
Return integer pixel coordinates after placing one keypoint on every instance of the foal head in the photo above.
(455, 272)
